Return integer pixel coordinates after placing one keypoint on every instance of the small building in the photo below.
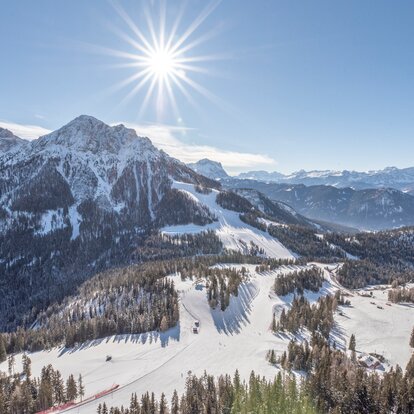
(370, 362)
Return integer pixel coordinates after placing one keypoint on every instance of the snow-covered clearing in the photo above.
(234, 233)
(378, 327)
(237, 338)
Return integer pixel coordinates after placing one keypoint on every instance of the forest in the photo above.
(128, 300)
(299, 281)
(20, 393)
(225, 395)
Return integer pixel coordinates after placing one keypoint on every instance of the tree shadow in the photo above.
(232, 320)
(146, 337)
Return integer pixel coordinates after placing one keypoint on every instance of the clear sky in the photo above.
(290, 84)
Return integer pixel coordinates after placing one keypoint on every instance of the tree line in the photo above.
(20, 393)
(224, 395)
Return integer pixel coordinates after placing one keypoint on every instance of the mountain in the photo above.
(278, 211)
(210, 169)
(392, 177)
(265, 176)
(84, 198)
(371, 209)
(88, 164)
(9, 141)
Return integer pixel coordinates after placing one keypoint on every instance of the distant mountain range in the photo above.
(391, 177)
(370, 209)
(400, 179)
(371, 201)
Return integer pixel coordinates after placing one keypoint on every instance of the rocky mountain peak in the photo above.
(209, 168)
(88, 134)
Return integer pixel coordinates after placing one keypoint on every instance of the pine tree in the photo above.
(58, 387)
(71, 389)
(412, 339)
(81, 387)
(3, 353)
(175, 404)
(164, 324)
(274, 325)
(163, 405)
(26, 362)
(272, 357)
(10, 364)
(352, 343)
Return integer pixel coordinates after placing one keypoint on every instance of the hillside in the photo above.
(9, 141)
(370, 209)
(79, 200)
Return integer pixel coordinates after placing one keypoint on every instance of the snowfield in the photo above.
(384, 331)
(237, 338)
(234, 233)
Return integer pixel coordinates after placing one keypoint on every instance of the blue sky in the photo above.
(296, 84)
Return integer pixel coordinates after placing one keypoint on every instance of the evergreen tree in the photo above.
(412, 339)
(27, 363)
(352, 343)
(81, 388)
(71, 389)
(3, 353)
(175, 404)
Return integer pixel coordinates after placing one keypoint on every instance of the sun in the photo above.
(162, 63)
(163, 58)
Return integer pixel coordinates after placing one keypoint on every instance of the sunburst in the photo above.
(164, 62)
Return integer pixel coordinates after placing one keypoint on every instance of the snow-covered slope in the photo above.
(79, 200)
(373, 209)
(209, 168)
(87, 161)
(233, 232)
(9, 141)
(237, 338)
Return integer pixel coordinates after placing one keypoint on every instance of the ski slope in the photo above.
(238, 338)
(234, 233)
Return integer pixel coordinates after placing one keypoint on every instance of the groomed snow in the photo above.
(234, 233)
(238, 338)
(384, 331)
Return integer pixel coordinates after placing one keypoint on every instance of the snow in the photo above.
(208, 168)
(233, 232)
(384, 331)
(238, 338)
(75, 220)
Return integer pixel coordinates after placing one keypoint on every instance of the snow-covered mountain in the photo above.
(373, 209)
(401, 179)
(88, 164)
(9, 141)
(83, 198)
(209, 168)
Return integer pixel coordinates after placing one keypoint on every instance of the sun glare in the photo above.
(163, 61)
